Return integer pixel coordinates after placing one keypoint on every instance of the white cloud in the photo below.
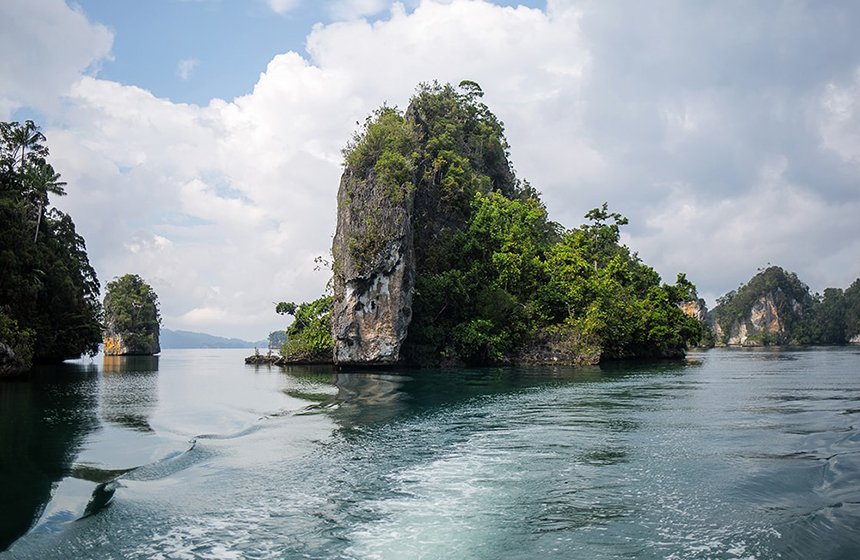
(722, 244)
(283, 6)
(46, 45)
(840, 125)
(186, 67)
(352, 9)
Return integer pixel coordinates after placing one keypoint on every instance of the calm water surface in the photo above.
(731, 454)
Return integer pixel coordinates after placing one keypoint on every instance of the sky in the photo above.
(201, 139)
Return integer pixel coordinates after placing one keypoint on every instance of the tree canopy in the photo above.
(49, 293)
(308, 338)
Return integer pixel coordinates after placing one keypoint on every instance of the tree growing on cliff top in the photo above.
(132, 319)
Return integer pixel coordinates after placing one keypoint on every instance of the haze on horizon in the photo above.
(201, 140)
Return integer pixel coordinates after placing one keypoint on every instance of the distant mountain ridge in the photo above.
(188, 339)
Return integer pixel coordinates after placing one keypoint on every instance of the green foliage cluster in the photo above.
(49, 294)
(491, 269)
(309, 337)
(512, 273)
(439, 153)
(131, 308)
(831, 318)
(382, 150)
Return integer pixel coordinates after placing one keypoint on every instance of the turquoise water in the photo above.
(730, 454)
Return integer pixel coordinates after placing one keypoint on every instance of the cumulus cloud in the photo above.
(46, 45)
(726, 133)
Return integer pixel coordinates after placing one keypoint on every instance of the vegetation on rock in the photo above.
(803, 318)
(132, 318)
(49, 294)
(493, 275)
(309, 337)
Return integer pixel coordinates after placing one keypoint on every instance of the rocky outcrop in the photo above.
(278, 360)
(762, 325)
(563, 347)
(132, 322)
(118, 343)
(10, 363)
(695, 309)
(374, 271)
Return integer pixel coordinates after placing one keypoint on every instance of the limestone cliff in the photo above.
(119, 343)
(763, 312)
(443, 257)
(763, 324)
(374, 271)
(695, 309)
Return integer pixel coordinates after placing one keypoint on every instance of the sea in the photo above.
(731, 453)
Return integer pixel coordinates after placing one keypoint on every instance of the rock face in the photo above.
(374, 272)
(560, 347)
(762, 321)
(695, 309)
(117, 343)
(10, 364)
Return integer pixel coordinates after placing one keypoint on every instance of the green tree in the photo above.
(132, 317)
(23, 142)
(42, 180)
(309, 337)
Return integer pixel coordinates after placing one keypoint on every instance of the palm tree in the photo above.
(26, 137)
(43, 180)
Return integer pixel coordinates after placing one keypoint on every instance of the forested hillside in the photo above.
(49, 293)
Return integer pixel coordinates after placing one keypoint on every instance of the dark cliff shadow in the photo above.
(44, 419)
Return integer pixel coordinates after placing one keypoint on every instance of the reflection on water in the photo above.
(132, 364)
(129, 390)
(43, 422)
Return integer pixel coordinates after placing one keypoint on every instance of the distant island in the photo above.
(186, 339)
(776, 308)
(132, 320)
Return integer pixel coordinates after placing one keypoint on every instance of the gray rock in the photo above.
(374, 271)
(10, 364)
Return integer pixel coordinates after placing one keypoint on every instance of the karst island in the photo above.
(444, 257)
